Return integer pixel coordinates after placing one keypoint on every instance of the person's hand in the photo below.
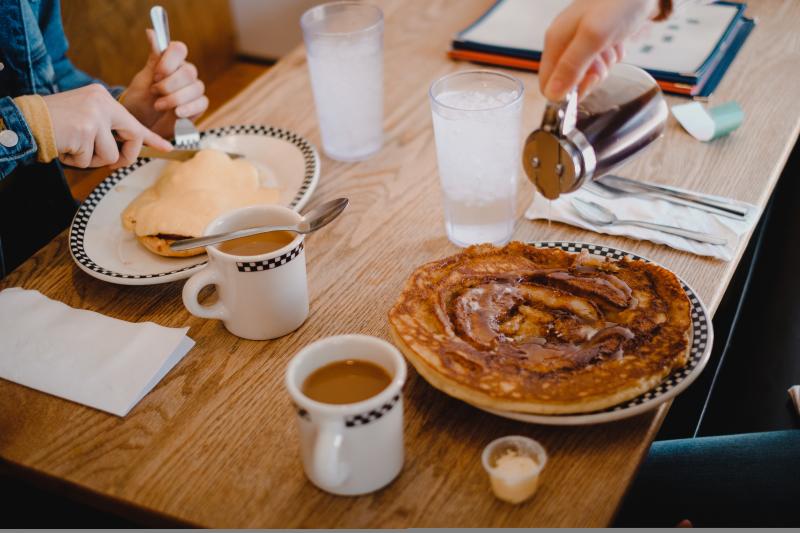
(586, 39)
(88, 122)
(167, 87)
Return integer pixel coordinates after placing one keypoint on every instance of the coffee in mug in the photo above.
(263, 243)
(347, 381)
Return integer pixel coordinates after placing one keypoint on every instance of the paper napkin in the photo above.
(651, 210)
(83, 356)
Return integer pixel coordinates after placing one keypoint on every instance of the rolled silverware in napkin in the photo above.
(653, 210)
(794, 394)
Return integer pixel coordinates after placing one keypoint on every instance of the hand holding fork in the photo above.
(186, 135)
(167, 87)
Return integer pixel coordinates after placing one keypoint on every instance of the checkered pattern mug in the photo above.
(261, 296)
(353, 448)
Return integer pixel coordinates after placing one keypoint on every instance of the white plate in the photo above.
(701, 343)
(102, 248)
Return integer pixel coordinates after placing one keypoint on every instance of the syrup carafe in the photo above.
(582, 140)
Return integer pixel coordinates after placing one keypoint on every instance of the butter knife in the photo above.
(178, 154)
(609, 191)
(632, 185)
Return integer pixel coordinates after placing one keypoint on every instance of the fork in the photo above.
(186, 135)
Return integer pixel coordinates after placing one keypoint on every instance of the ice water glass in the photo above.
(477, 117)
(344, 47)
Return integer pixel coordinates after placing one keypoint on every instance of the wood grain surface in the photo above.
(215, 445)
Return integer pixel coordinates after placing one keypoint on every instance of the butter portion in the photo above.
(515, 477)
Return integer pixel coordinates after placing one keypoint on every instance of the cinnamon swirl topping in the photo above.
(542, 330)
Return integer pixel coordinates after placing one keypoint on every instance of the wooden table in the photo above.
(215, 444)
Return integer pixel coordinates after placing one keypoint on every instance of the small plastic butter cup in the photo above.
(513, 487)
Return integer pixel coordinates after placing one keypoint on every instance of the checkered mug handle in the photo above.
(191, 290)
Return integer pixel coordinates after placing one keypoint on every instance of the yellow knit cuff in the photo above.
(34, 109)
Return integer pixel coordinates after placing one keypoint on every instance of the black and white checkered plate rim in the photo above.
(701, 338)
(77, 231)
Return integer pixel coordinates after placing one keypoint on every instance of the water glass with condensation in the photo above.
(344, 48)
(477, 121)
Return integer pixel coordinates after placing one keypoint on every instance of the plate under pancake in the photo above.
(657, 392)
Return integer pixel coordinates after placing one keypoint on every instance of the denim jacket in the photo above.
(33, 56)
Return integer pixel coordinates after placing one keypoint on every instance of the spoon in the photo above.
(311, 222)
(601, 216)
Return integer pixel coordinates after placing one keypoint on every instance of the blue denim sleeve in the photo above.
(25, 149)
(69, 77)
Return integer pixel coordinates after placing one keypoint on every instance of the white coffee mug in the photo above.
(260, 296)
(353, 448)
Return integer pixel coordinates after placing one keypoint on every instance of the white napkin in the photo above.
(652, 210)
(81, 355)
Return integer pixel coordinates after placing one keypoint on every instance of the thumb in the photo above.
(155, 55)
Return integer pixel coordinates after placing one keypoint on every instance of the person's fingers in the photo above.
(609, 57)
(151, 138)
(67, 160)
(82, 157)
(575, 61)
(128, 152)
(193, 109)
(105, 149)
(180, 97)
(172, 58)
(128, 128)
(596, 73)
(619, 48)
(559, 34)
(183, 77)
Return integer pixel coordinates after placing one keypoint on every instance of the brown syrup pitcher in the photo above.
(579, 141)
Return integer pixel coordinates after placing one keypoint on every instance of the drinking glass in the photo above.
(477, 120)
(344, 47)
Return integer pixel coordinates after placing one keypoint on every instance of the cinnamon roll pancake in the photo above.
(541, 330)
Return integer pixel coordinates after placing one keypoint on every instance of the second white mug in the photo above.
(352, 448)
(261, 296)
